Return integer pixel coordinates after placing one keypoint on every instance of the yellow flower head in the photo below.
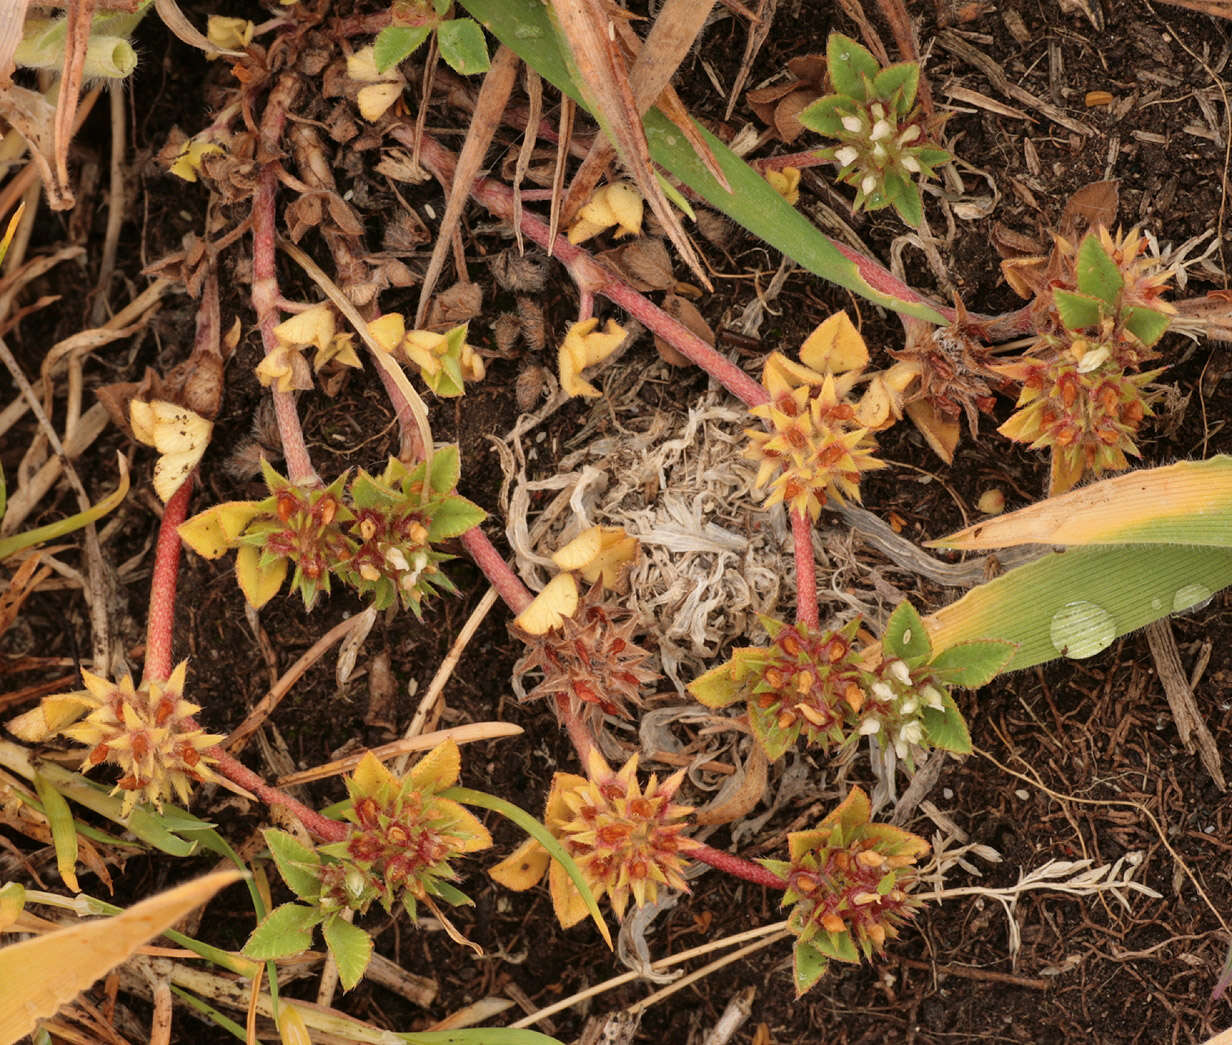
(626, 839)
(148, 733)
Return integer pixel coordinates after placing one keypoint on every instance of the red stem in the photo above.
(507, 583)
(806, 574)
(322, 826)
(738, 866)
(591, 276)
(161, 622)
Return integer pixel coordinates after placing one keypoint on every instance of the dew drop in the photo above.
(1081, 629)
(1191, 597)
(1157, 603)
(906, 635)
(527, 32)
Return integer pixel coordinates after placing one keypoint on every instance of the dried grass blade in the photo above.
(758, 32)
(80, 14)
(12, 18)
(493, 97)
(601, 74)
(534, 92)
(175, 20)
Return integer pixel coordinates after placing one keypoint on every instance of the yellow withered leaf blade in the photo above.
(41, 974)
(258, 583)
(835, 346)
(551, 606)
(374, 99)
(1188, 503)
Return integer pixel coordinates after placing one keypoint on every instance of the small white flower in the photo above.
(900, 749)
(908, 706)
(881, 130)
(909, 134)
(868, 184)
(910, 163)
(879, 152)
(847, 155)
(911, 733)
(878, 111)
(881, 691)
(853, 124)
(900, 671)
(1093, 359)
(932, 697)
(397, 560)
(869, 726)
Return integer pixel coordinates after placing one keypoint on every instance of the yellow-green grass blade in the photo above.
(1076, 603)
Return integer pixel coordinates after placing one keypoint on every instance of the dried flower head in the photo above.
(627, 839)
(590, 658)
(148, 733)
(848, 883)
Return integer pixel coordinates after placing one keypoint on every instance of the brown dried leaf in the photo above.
(459, 304)
(749, 791)
(644, 263)
(686, 312)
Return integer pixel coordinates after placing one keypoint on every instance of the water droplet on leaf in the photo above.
(1081, 629)
(1191, 597)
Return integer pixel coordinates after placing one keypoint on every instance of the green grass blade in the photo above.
(1034, 605)
(210, 1013)
(18, 542)
(525, 28)
(480, 1036)
(541, 835)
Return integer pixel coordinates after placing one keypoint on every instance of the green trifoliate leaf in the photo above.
(285, 930)
(298, 865)
(973, 664)
(1078, 311)
(396, 43)
(463, 46)
(351, 948)
(1098, 274)
(947, 729)
(807, 967)
(905, 636)
(851, 66)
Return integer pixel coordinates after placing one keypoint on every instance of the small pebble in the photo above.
(947, 793)
(1024, 795)
(991, 502)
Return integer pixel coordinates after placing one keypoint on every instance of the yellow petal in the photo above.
(566, 900)
(228, 34)
(314, 326)
(552, 605)
(439, 768)
(361, 66)
(177, 433)
(624, 203)
(523, 868)
(786, 183)
(835, 346)
(211, 532)
(141, 419)
(941, 432)
(388, 331)
(371, 777)
(258, 583)
(188, 163)
(579, 551)
(471, 834)
(584, 345)
(374, 99)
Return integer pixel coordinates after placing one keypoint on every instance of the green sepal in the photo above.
(774, 742)
(298, 865)
(1078, 311)
(451, 895)
(930, 157)
(851, 66)
(906, 637)
(351, 948)
(284, 931)
(807, 966)
(839, 946)
(946, 729)
(1097, 273)
(973, 664)
(1146, 324)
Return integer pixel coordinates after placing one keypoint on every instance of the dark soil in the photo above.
(1078, 760)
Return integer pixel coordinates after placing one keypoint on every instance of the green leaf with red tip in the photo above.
(454, 517)
(807, 966)
(973, 664)
(775, 742)
(717, 688)
(1098, 274)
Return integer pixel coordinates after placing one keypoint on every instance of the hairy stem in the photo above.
(161, 622)
(500, 575)
(806, 573)
(737, 866)
(322, 826)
